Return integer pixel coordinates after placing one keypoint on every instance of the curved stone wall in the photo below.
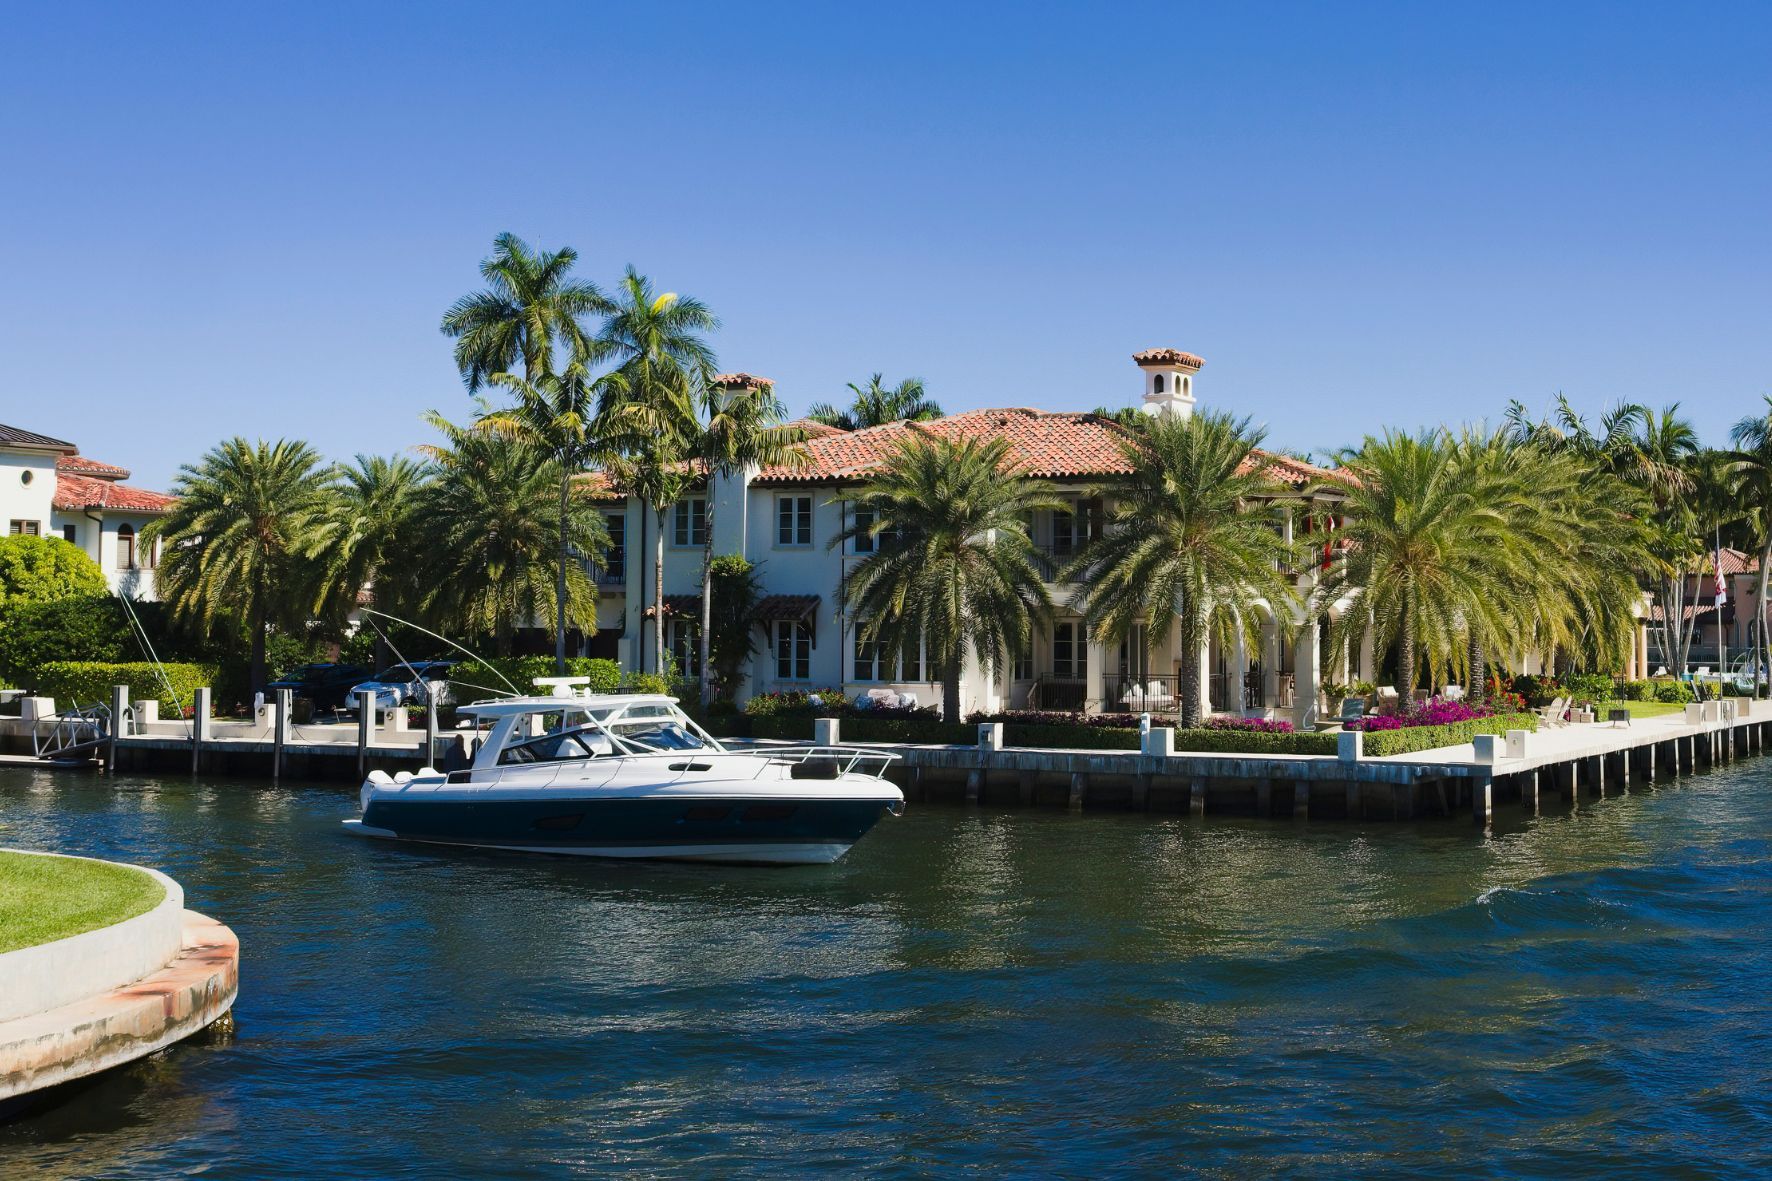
(50, 975)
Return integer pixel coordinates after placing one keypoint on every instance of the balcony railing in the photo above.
(614, 570)
(1143, 693)
(1052, 558)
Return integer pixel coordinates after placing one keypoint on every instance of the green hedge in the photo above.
(1418, 738)
(1048, 735)
(1254, 742)
(521, 671)
(88, 682)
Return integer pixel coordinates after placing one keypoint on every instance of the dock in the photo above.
(1531, 769)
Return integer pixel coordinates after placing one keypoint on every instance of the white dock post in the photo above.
(119, 727)
(1079, 785)
(1482, 798)
(430, 727)
(826, 731)
(1196, 796)
(365, 729)
(200, 719)
(280, 731)
(1529, 790)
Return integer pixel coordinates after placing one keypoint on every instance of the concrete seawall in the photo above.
(96, 1000)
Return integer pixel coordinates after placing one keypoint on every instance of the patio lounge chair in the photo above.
(1552, 714)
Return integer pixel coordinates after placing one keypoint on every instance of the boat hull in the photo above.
(772, 830)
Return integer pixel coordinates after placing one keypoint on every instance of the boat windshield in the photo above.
(602, 733)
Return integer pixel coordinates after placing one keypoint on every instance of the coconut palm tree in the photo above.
(1187, 546)
(742, 428)
(242, 537)
(1752, 463)
(492, 520)
(530, 309)
(960, 571)
(875, 405)
(557, 415)
(662, 363)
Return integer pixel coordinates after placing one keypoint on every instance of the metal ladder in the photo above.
(74, 735)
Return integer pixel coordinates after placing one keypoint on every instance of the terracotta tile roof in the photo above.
(1706, 613)
(785, 607)
(80, 465)
(1051, 445)
(1738, 562)
(741, 381)
(1168, 357)
(75, 493)
(12, 436)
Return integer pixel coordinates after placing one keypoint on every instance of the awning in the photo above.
(793, 608)
(677, 605)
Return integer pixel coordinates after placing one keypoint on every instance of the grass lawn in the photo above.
(1641, 709)
(45, 898)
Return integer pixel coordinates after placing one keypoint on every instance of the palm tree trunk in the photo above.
(1190, 678)
(707, 603)
(1477, 690)
(950, 687)
(658, 619)
(1406, 663)
(560, 580)
(260, 675)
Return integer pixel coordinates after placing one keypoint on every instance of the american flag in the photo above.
(1722, 587)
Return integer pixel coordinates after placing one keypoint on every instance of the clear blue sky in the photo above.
(229, 218)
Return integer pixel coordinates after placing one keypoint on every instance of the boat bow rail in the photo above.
(830, 762)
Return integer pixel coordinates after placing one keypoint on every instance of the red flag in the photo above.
(1722, 587)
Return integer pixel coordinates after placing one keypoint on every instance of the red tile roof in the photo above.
(1737, 562)
(1168, 357)
(1046, 444)
(74, 493)
(12, 436)
(81, 465)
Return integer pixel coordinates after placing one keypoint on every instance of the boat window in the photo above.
(557, 747)
(659, 735)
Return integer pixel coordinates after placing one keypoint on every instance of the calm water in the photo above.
(987, 992)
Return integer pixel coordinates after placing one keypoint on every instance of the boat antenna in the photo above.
(515, 692)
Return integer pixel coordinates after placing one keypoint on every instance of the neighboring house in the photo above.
(784, 520)
(1741, 580)
(48, 489)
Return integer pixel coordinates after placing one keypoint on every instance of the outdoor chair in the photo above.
(1552, 714)
(1453, 693)
(1158, 698)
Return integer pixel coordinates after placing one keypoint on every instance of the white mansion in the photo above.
(784, 520)
(48, 489)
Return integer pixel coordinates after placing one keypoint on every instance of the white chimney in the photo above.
(1168, 380)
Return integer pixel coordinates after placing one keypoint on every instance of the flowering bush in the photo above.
(1250, 725)
(1435, 711)
(1049, 717)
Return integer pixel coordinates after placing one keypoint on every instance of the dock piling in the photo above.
(365, 729)
(119, 725)
(201, 710)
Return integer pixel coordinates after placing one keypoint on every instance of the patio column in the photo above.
(1095, 678)
(1233, 690)
(1205, 679)
(1368, 664)
(1305, 684)
(1270, 662)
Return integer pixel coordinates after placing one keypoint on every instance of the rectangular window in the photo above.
(870, 664)
(615, 562)
(910, 662)
(793, 520)
(27, 528)
(864, 520)
(71, 534)
(793, 651)
(1023, 668)
(685, 641)
(1069, 656)
(690, 524)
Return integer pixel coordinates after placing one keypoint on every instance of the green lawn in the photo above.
(45, 898)
(1640, 709)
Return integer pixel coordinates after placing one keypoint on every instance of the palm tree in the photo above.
(959, 571)
(242, 536)
(1752, 461)
(529, 309)
(875, 405)
(556, 414)
(1429, 554)
(492, 518)
(1185, 546)
(649, 404)
(743, 429)
(369, 525)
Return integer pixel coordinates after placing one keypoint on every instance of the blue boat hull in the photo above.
(777, 831)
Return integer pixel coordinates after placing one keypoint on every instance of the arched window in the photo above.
(1159, 386)
(1184, 385)
(126, 547)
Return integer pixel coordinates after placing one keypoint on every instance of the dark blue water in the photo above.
(993, 993)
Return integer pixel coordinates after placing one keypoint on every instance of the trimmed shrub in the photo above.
(1254, 742)
(1673, 692)
(1588, 688)
(483, 675)
(88, 682)
(1418, 738)
(1636, 690)
(1078, 737)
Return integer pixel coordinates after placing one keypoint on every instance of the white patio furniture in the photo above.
(1453, 692)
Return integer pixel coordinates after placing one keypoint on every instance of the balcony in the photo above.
(1052, 558)
(613, 574)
